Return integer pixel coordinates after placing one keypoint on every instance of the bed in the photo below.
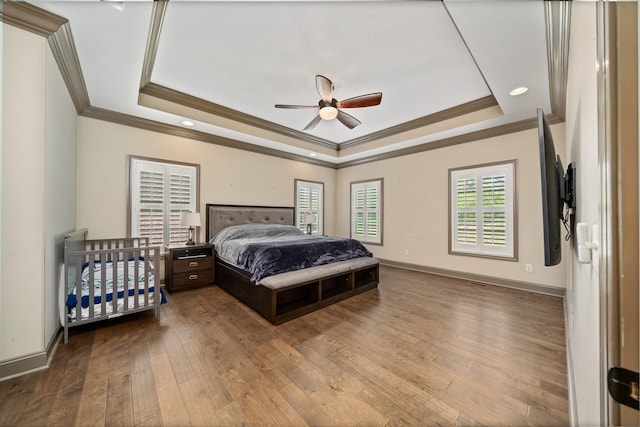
(282, 293)
(107, 278)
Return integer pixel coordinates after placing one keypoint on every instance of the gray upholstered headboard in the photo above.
(221, 216)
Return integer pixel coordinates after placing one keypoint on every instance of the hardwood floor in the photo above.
(419, 350)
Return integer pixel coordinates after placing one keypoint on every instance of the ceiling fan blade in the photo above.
(295, 106)
(325, 88)
(347, 120)
(313, 123)
(368, 100)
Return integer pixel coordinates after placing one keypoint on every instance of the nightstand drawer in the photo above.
(191, 264)
(191, 252)
(193, 278)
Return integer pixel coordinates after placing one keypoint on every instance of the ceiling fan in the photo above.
(329, 108)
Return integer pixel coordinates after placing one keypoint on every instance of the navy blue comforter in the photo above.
(266, 250)
(267, 259)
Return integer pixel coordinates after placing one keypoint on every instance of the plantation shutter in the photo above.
(303, 204)
(482, 210)
(359, 204)
(366, 201)
(309, 200)
(467, 222)
(151, 213)
(180, 201)
(493, 215)
(160, 193)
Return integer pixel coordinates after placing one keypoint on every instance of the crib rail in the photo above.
(107, 263)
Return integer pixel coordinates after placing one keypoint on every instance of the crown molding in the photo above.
(505, 129)
(440, 116)
(64, 51)
(557, 22)
(30, 18)
(154, 126)
(153, 39)
(57, 30)
(161, 92)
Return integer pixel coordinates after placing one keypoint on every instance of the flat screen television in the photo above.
(558, 193)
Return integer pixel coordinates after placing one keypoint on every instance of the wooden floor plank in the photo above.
(119, 410)
(93, 397)
(197, 404)
(172, 409)
(418, 350)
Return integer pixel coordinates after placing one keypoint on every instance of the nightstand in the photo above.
(188, 266)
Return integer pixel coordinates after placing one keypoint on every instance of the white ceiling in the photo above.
(426, 57)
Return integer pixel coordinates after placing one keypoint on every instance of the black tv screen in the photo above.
(552, 177)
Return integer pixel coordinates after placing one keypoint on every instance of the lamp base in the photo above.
(190, 242)
(308, 228)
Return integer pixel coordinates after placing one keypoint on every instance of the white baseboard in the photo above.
(571, 384)
(479, 278)
(30, 363)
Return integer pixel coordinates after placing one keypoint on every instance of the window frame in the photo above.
(510, 253)
(297, 183)
(131, 164)
(379, 183)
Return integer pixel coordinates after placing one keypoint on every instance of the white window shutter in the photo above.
(309, 199)
(151, 214)
(160, 192)
(366, 211)
(482, 212)
(180, 190)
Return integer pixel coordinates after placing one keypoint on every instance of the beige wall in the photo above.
(582, 298)
(414, 187)
(60, 180)
(416, 207)
(23, 141)
(227, 176)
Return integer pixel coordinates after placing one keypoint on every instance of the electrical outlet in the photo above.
(528, 268)
(406, 251)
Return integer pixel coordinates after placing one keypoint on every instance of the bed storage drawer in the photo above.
(188, 266)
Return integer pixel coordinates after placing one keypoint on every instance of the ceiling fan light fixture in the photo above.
(328, 112)
(329, 108)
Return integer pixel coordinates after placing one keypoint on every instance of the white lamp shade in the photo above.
(188, 219)
(309, 218)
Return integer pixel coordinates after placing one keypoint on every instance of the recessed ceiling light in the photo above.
(518, 91)
(118, 5)
(188, 123)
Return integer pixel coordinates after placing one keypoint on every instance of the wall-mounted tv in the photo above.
(558, 193)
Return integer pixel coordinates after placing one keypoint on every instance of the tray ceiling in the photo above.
(445, 69)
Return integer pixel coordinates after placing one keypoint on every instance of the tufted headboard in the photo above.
(221, 216)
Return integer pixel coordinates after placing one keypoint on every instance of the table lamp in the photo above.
(191, 220)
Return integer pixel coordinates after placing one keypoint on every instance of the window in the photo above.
(482, 210)
(366, 211)
(310, 199)
(159, 192)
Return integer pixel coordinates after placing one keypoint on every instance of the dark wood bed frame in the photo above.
(291, 301)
